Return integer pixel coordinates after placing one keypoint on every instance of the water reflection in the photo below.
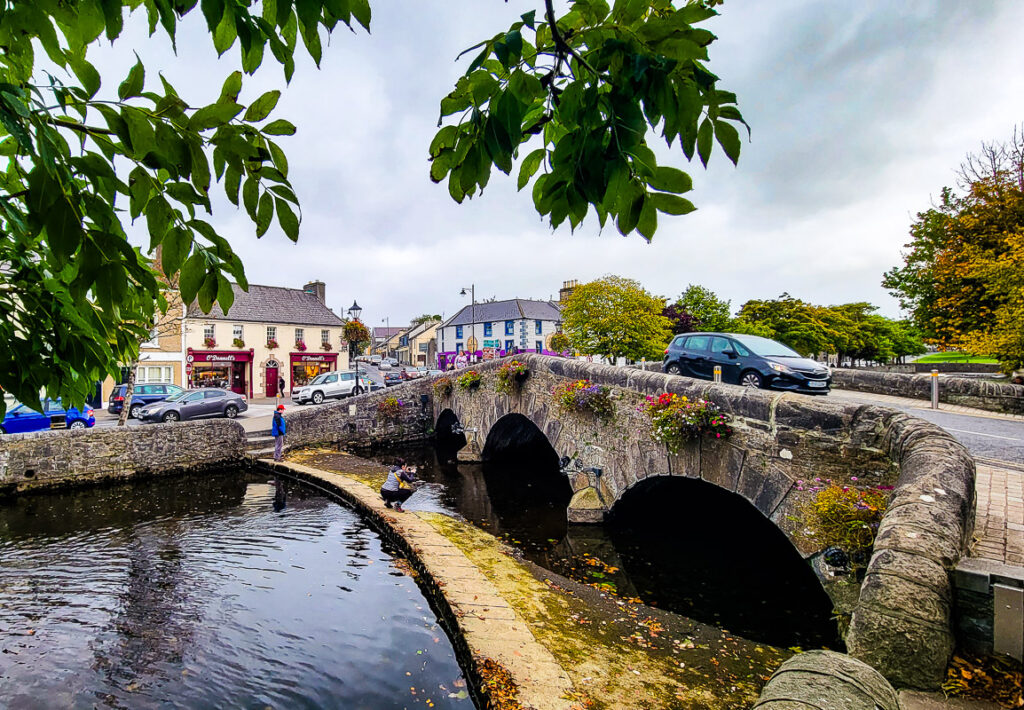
(678, 544)
(224, 591)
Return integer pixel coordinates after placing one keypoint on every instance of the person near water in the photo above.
(397, 489)
(277, 430)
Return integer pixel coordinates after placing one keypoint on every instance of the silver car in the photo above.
(195, 404)
(331, 385)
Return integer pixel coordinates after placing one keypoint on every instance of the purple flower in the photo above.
(853, 478)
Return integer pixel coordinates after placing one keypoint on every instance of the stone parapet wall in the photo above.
(825, 680)
(55, 459)
(965, 391)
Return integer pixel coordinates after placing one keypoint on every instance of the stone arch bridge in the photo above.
(901, 621)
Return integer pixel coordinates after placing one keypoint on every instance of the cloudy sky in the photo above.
(860, 113)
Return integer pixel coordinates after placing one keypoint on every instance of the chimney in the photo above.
(318, 289)
(567, 288)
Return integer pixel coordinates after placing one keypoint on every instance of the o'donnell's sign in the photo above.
(314, 358)
(219, 356)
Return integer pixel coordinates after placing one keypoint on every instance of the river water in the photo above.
(223, 591)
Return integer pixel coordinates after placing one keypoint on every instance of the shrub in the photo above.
(510, 374)
(469, 380)
(443, 386)
(845, 517)
(676, 420)
(560, 343)
(585, 396)
(390, 408)
(238, 343)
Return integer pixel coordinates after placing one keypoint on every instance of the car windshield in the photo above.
(319, 378)
(765, 347)
(176, 396)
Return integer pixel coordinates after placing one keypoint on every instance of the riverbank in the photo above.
(616, 652)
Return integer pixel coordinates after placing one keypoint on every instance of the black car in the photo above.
(392, 378)
(748, 360)
(143, 393)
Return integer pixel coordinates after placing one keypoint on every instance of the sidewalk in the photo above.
(910, 403)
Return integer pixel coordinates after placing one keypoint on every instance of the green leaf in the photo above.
(86, 74)
(630, 205)
(264, 214)
(132, 85)
(174, 249)
(159, 218)
(672, 204)
(280, 127)
(729, 138)
(445, 138)
(361, 11)
(670, 179)
(262, 107)
(63, 228)
(704, 136)
(225, 293)
(208, 291)
(530, 165)
(250, 196)
(647, 225)
(287, 219)
(232, 87)
(213, 116)
(193, 271)
(279, 158)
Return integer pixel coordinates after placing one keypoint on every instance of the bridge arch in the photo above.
(448, 436)
(515, 435)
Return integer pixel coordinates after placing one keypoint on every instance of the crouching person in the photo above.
(397, 489)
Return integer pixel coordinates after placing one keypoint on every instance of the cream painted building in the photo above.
(418, 345)
(269, 333)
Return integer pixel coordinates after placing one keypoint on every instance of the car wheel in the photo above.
(318, 398)
(171, 416)
(231, 411)
(357, 390)
(751, 379)
(673, 368)
(77, 424)
(133, 413)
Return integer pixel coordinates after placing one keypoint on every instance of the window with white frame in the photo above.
(300, 335)
(155, 373)
(236, 332)
(325, 337)
(208, 332)
(271, 333)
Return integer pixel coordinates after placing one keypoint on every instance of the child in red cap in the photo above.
(277, 430)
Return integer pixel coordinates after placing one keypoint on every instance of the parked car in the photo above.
(410, 373)
(195, 404)
(392, 378)
(434, 373)
(391, 361)
(21, 418)
(375, 359)
(143, 393)
(383, 365)
(330, 385)
(748, 360)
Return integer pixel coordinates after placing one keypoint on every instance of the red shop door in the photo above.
(271, 381)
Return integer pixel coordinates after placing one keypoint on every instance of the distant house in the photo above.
(385, 340)
(418, 345)
(497, 327)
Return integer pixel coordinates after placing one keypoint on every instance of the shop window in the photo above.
(510, 327)
(538, 346)
(538, 327)
(458, 347)
(154, 373)
(488, 330)
(509, 344)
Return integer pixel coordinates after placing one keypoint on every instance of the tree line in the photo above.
(617, 317)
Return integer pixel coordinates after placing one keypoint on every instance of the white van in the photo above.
(328, 385)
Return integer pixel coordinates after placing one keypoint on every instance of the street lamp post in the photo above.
(355, 311)
(472, 326)
(387, 336)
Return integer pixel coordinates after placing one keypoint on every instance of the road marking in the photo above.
(978, 433)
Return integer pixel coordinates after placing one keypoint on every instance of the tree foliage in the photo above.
(853, 331)
(425, 318)
(708, 310)
(586, 91)
(616, 317)
(86, 153)
(961, 276)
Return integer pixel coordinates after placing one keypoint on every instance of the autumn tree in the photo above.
(960, 278)
(576, 99)
(560, 342)
(616, 317)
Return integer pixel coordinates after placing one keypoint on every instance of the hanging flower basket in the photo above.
(300, 345)
(271, 344)
(390, 408)
(469, 380)
(238, 343)
(585, 396)
(325, 346)
(511, 376)
(209, 343)
(443, 387)
(676, 420)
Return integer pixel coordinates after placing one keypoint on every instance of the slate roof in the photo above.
(513, 309)
(272, 304)
(389, 332)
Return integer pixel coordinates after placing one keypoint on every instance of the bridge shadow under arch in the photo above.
(696, 549)
(447, 441)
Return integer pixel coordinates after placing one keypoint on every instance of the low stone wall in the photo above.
(55, 459)
(356, 422)
(965, 391)
(825, 680)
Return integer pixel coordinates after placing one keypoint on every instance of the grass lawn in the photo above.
(954, 357)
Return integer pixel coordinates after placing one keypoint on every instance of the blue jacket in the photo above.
(278, 427)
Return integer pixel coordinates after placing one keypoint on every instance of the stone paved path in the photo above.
(487, 623)
(999, 523)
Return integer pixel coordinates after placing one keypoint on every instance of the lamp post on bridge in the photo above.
(472, 326)
(387, 336)
(355, 311)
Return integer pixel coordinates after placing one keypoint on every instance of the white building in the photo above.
(497, 327)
